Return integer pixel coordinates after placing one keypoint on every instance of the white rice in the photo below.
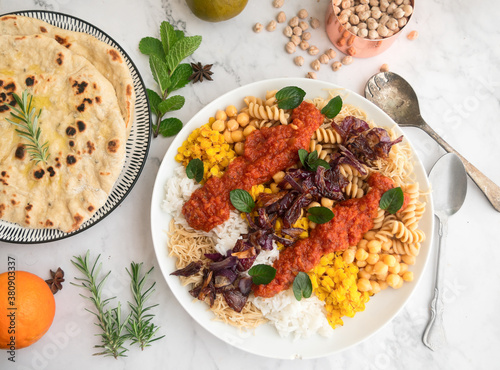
(283, 311)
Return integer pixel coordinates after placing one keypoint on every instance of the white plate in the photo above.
(381, 308)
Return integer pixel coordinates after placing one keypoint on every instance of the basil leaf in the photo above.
(154, 101)
(333, 107)
(312, 162)
(175, 102)
(169, 127)
(320, 215)
(152, 46)
(160, 72)
(242, 200)
(392, 200)
(181, 50)
(262, 274)
(180, 77)
(303, 154)
(195, 169)
(290, 97)
(302, 286)
(168, 36)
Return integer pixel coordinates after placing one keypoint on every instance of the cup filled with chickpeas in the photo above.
(365, 28)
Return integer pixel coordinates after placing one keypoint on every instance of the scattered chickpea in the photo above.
(294, 22)
(316, 65)
(389, 260)
(306, 36)
(290, 47)
(364, 285)
(348, 256)
(288, 32)
(313, 50)
(311, 75)
(324, 59)
(298, 60)
(302, 13)
(232, 125)
(362, 274)
(248, 130)
(369, 268)
(231, 111)
(243, 119)
(395, 269)
(258, 27)
(278, 3)
(384, 67)
(372, 258)
(220, 115)
(219, 125)
(228, 137)
(304, 45)
(297, 31)
(239, 148)
(274, 187)
(412, 35)
(271, 26)
(403, 267)
(375, 287)
(361, 255)
(380, 268)
(347, 60)
(408, 276)
(314, 23)
(374, 246)
(303, 25)
(393, 280)
(281, 17)
(325, 202)
(295, 39)
(237, 136)
(361, 263)
(331, 53)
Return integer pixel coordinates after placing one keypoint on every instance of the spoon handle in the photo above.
(488, 187)
(434, 336)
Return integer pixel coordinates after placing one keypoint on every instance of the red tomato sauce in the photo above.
(267, 151)
(353, 218)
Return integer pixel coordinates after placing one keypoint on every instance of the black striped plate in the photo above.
(136, 149)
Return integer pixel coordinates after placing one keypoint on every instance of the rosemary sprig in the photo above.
(28, 127)
(109, 320)
(140, 328)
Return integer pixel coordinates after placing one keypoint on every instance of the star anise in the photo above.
(201, 72)
(55, 284)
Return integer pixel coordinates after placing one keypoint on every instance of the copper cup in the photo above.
(353, 45)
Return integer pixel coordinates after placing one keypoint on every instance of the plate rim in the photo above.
(146, 152)
(159, 187)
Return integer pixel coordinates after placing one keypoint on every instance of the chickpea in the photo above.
(369, 269)
(353, 19)
(313, 50)
(384, 19)
(395, 269)
(239, 148)
(408, 276)
(237, 136)
(402, 22)
(370, 235)
(343, 18)
(297, 31)
(376, 13)
(403, 267)
(382, 30)
(311, 75)
(290, 47)
(232, 125)
(278, 3)
(384, 67)
(387, 245)
(221, 115)
(409, 260)
(323, 59)
(314, 23)
(258, 27)
(303, 25)
(331, 53)
(354, 30)
(389, 260)
(274, 187)
(281, 17)
(271, 26)
(304, 45)
(380, 268)
(364, 285)
(362, 25)
(294, 22)
(372, 258)
(312, 225)
(375, 287)
(408, 9)
(243, 119)
(298, 61)
(348, 256)
(278, 177)
(306, 36)
(393, 280)
(248, 130)
(336, 10)
(288, 32)
(219, 125)
(372, 24)
(361, 255)
(363, 32)
(363, 244)
(325, 202)
(391, 8)
(373, 34)
(313, 204)
(374, 246)
(302, 13)
(373, 3)
(295, 39)
(392, 24)
(361, 263)
(363, 16)
(336, 66)
(383, 285)
(362, 274)
(346, 4)
(316, 65)
(228, 137)
(399, 13)
(347, 60)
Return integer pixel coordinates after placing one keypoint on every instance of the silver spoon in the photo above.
(396, 97)
(449, 187)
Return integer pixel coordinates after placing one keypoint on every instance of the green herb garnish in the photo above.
(290, 97)
(28, 127)
(242, 200)
(333, 107)
(320, 215)
(140, 328)
(262, 274)
(392, 200)
(302, 286)
(310, 161)
(195, 169)
(165, 57)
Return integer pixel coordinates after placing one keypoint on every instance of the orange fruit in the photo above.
(27, 313)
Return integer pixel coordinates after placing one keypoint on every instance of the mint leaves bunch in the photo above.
(165, 57)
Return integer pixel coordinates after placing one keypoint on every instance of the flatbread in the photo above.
(105, 58)
(80, 120)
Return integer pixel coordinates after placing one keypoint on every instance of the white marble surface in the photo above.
(453, 66)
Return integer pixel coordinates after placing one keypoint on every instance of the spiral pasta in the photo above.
(327, 135)
(270, 113)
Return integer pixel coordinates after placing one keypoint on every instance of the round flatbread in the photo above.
(81, 122)
(105, 58)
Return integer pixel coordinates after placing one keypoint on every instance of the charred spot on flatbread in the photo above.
(78, 220)
(2, 208)
(62, 40)
(30, 80)
(90, 208)
(70, 159)
(60, 58)
(4, 174)
(7, 17)
(80, 87)
(6, 98)
(98, 99)
(43, 29)
(70, 131)
(81, 126)
(81, 107)
(90, 147)
(129, 90)
(51, 171)
(3, 182)
(49, 223)
(20, 152)
(28, 207)
(71, 143)
(114, 55)
(113, 146)
(38, 174)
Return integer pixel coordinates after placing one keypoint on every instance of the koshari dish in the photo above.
(362, 250)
